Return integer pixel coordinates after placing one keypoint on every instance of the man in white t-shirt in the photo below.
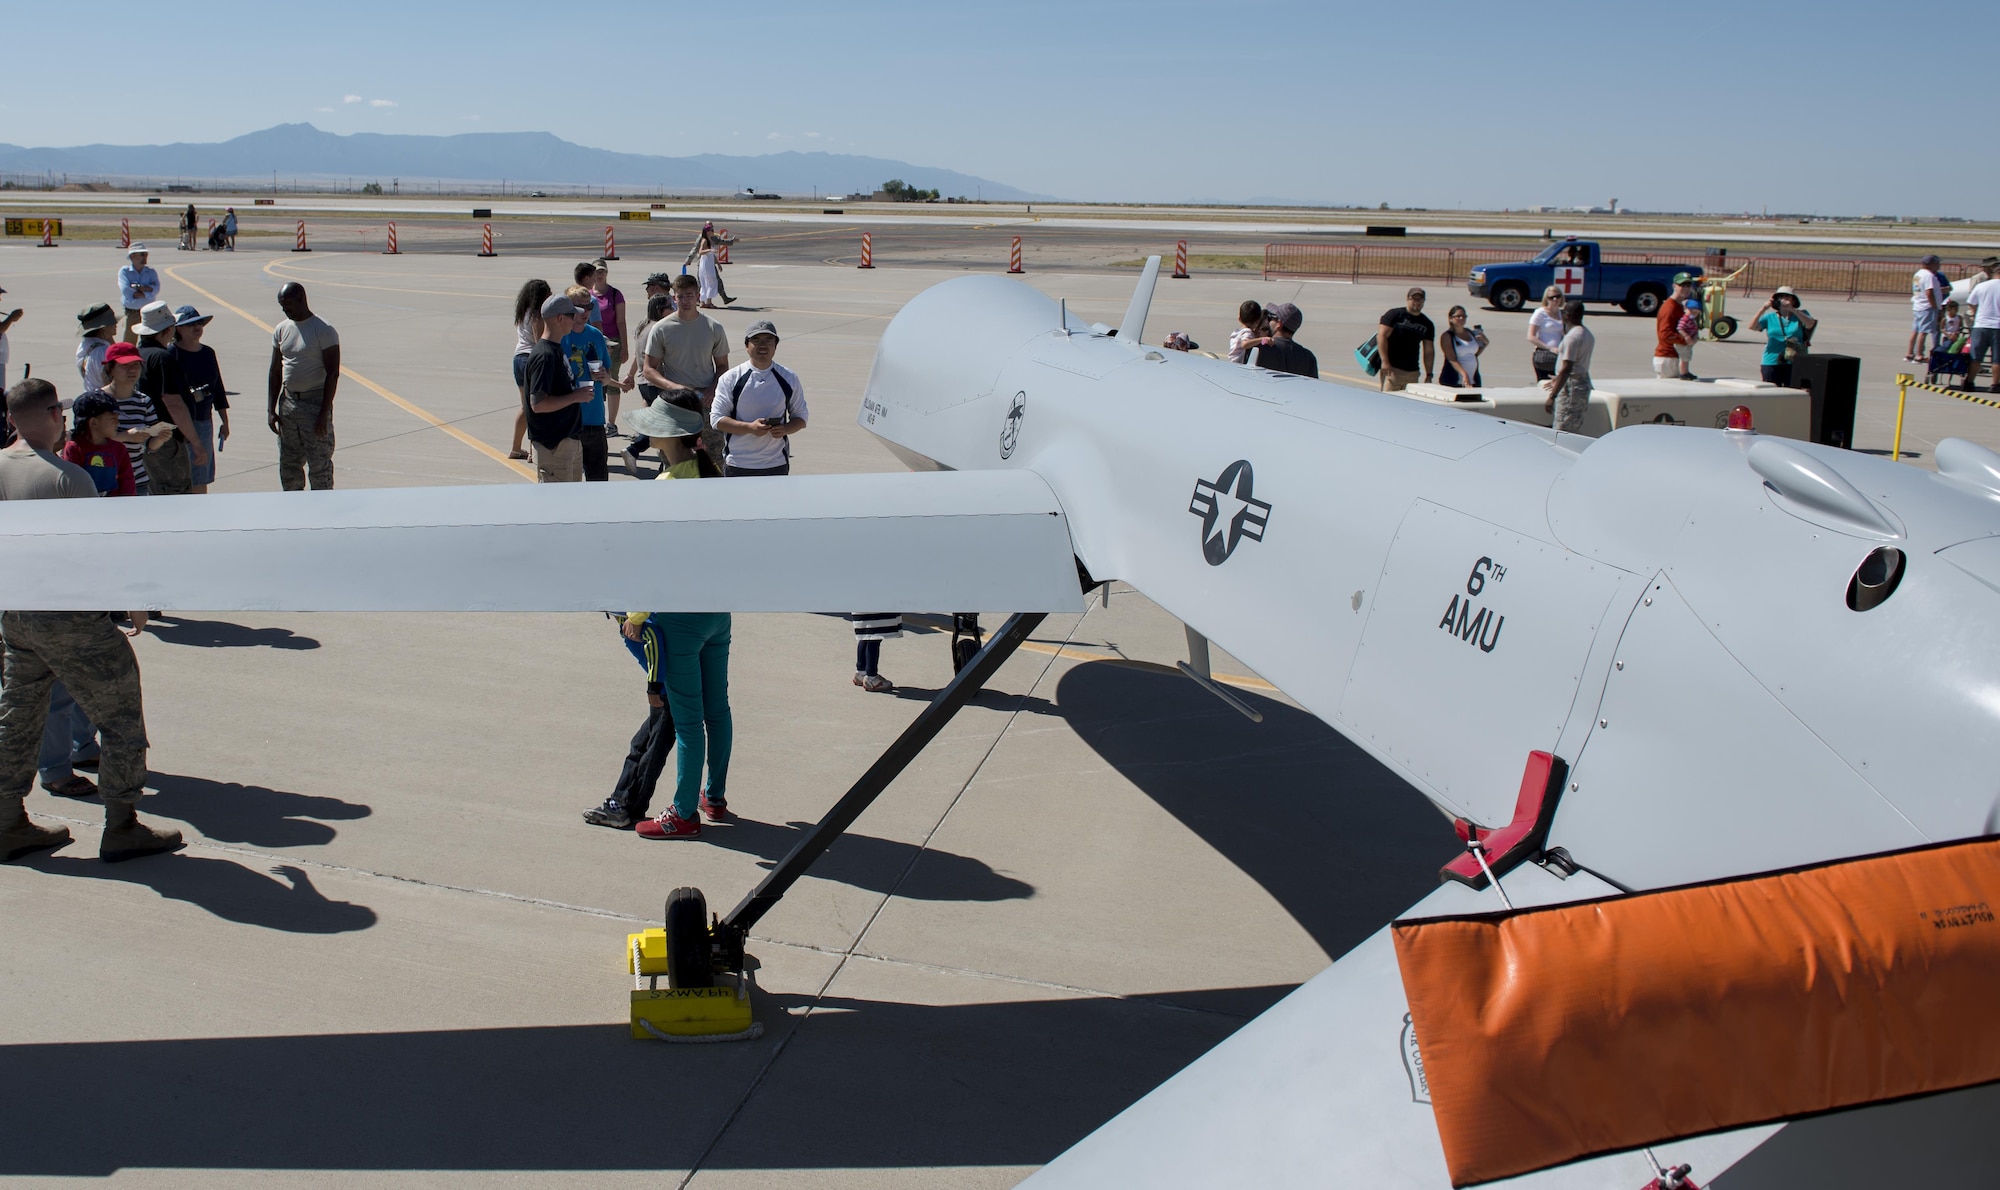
(759, 405)
(1985, 303)
(1928, 290)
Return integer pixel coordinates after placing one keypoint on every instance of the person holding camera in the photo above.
(201, 376)
(1460, 346)
(1787, 332)
(759, 405)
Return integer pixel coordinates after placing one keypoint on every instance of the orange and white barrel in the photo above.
(392, 250)
(722, 247)
(610, 244)
(1014, 257)
(124, 233)
(301, 245)
(48, 234)
(1180, 260)
(867, 251)
(486, 240)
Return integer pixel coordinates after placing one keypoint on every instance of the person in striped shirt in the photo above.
(870, 630)
(138, 424)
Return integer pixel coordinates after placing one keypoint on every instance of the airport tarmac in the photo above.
(392, 954)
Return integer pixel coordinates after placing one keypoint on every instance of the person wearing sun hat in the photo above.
(1787, 329)
(201, 376)
(96, 330)
(172, 461)
(138, 285)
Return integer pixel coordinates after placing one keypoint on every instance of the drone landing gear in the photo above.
(695, 956)
(965, 639)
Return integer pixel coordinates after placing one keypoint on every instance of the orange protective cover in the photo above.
(1553, 1034)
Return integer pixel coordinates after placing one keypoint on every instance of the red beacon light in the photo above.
(1739, 420)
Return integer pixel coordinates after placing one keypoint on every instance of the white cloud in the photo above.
(775, 136)
(468, 117)
(381, 103)
(350, 99)
(323, 109)
(813, 135)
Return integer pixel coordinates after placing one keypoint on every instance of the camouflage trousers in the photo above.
(302, 451)
(87, 653)
(1571, 404)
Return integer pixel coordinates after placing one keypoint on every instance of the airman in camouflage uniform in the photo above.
(83, 650)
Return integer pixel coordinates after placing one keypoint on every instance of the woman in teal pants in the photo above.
(697, 685)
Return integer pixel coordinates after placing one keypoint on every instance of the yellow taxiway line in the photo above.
(407, 406)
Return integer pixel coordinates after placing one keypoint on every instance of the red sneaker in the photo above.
(668, 826)
(714, 809)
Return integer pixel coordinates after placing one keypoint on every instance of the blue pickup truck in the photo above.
(1578, 267)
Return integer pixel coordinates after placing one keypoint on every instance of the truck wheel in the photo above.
(1723, 327)
(689, 956)
(1509, 297)
(1644, 302)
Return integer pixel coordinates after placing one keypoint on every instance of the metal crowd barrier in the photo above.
(1850, 278)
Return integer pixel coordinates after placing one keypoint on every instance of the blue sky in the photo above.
(1794, 106)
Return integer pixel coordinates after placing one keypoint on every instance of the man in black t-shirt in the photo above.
(169, 464)
(1399, 337)
(1283, 353)
(552, 399)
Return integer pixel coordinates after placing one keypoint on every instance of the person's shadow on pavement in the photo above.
(221, 634)
(225, 888)
(249, 814)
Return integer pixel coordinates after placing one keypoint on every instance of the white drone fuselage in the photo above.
(1693, 619)
(1452, 591)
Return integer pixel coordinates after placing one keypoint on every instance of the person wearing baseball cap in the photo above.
(759, 405)
(1283, 353)
(96, 329)
(551, 398)
(138, 285)
(1667, 338)
(1928, 291)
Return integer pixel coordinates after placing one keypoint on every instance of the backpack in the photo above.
(736, 394)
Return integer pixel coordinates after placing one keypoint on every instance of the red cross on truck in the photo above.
(1577, 269)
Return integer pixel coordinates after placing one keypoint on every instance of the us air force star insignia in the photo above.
(1010, 430)
(1228, 513)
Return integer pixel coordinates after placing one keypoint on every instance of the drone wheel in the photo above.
(690, 961)
(963, 651)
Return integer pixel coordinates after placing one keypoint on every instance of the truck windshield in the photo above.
(1548, 254)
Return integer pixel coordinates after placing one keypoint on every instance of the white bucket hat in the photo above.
(155, 318)
(136, 250)
(664, 420)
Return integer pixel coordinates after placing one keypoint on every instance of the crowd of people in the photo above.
(1939, 336)
(573, 362)
(149, 419)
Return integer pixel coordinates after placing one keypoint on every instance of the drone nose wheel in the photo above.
(690, 956)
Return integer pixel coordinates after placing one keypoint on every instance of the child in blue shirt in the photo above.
(590, 360)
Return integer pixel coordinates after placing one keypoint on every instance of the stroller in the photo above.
(1947, 362)
(216, 240)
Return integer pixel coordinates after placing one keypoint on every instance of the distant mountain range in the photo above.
(531, 158)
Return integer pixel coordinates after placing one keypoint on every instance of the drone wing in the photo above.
(926, 541)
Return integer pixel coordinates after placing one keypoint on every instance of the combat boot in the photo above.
(20, 836)
(125, 837)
